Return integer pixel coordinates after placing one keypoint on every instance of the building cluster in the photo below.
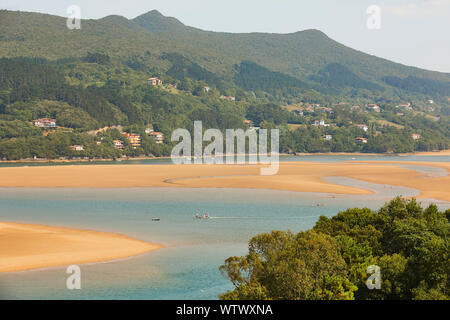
(158, 137)
(133, 138)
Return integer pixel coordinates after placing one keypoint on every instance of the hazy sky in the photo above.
(413, 32)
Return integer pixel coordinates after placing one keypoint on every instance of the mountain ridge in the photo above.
(302, 54)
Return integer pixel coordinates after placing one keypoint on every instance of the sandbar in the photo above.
(32, 246)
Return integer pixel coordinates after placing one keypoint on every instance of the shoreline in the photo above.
(419, 153)
(27, 247)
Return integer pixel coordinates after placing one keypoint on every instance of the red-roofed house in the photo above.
(249, 123)
(228, 98)
(361, 140)
(363, 126)
(135, 139)
(77, 148)
(45, 123)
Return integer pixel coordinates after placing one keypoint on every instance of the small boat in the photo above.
(156, 219)
(205, 216)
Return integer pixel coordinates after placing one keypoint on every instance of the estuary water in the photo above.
(188, 266)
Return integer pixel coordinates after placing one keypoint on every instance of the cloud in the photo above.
(419, 9)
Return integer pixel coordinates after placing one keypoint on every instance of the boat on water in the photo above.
(320, 205)
(156, 219)
(205, 216)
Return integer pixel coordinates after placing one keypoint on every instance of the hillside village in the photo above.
(101, 103)
(328, 120)
(339, 127)
(133, 139)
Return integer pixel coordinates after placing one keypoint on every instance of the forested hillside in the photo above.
(96, 78)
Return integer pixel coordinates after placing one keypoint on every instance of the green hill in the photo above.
(303, 55)
(97, 76)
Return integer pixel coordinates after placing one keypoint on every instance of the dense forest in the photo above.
(313, 89)
(93, 92)
(409, 245)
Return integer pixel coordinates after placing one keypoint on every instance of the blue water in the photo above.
(187, 268)
(304, 158)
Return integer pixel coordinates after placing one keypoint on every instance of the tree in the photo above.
(409, 244)
(281, 265)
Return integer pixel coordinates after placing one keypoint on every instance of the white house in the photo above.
(363, 126)
(374, 107)
(320, 123)
(157, 136)
(154, 81)
(148, 130)
(118, 144)
(77, 148)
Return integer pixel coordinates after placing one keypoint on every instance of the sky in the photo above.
(411, 32)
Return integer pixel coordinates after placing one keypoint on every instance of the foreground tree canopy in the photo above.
(408, 243)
